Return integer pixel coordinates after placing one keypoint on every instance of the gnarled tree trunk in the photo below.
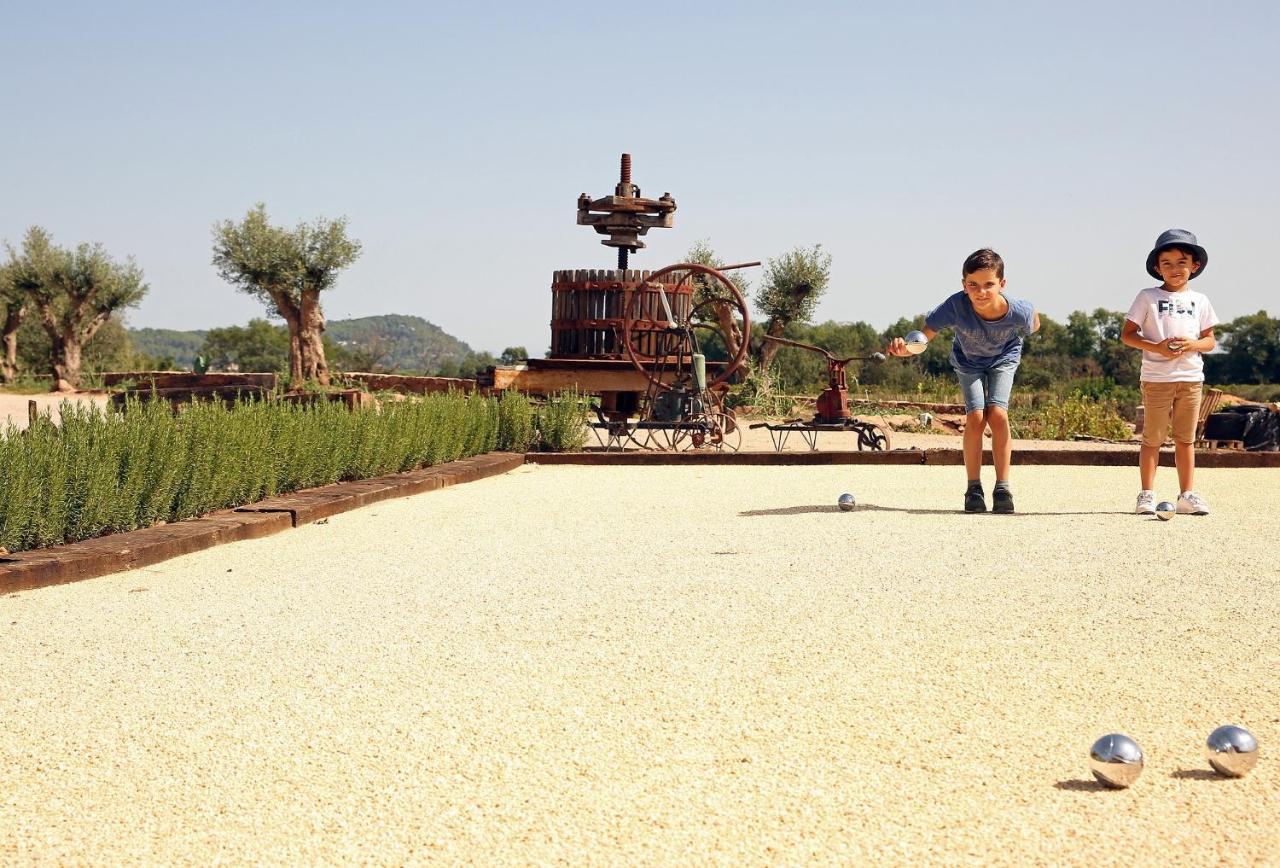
(769, 349)
(293, 319)
(314, 366)
(9, 362)
(67, 355)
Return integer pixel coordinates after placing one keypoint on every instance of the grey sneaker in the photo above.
(1190, 503)
(1146, 503)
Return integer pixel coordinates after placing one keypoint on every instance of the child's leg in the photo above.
(971, 390)
(1001, 441)
(1157, 406)
(999, 383)
(1186, 416)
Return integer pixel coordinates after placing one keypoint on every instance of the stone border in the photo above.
(941, 456)
(88, 559)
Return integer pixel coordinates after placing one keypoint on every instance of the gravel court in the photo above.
(663, 664)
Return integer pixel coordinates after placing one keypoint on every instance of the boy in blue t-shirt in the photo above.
(986, 352)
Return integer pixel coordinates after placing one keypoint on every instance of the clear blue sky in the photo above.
(456, 138)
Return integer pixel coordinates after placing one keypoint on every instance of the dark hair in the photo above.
(1181, 248)
(984, 258)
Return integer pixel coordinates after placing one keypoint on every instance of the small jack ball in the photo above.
(846, 502)
(1165, 510)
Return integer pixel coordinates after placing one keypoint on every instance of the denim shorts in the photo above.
(987, 388)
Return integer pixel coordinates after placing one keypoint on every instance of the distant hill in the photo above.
(402, 343)
(405, 343)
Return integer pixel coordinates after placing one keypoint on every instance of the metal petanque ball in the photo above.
(846, 502)
(1116, 760)
(916, 342)
(1165, 510)
(1231, 750)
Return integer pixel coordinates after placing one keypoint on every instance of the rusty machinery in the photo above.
(637, 339)
(832, 409)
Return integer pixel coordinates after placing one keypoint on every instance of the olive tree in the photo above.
(287, 270)
(789, 292)
(13, 307)
(75, 292)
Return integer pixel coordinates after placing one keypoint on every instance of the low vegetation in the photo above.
(98, 472)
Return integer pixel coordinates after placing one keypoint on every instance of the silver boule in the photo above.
(916, 342)
(1231, 750)
(1165, 510)
(846, 502)
(1116, 760)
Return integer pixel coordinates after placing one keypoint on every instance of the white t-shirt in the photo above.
(1162, 314)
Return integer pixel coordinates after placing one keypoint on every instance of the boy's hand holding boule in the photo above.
(897, 347)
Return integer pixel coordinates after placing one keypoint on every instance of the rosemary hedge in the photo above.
(100, 472)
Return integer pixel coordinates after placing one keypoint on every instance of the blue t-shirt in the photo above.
(981, 344)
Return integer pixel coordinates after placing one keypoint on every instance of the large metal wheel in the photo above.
(663, 330)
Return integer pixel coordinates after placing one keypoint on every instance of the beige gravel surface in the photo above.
(663, 665)
(13, 408)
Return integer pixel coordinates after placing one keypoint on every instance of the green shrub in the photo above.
(1077, 415)
(561, 423)
(515, 423)
(100, 472)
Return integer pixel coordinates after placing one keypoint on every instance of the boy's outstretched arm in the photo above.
(1035, 321)
(898, 346)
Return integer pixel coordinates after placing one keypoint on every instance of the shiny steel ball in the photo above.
(916, 342)
(1231, 750)
(1116, 760)
(1165, 510)
(846, 502)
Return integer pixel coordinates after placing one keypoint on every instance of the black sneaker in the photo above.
(973, 499)
(1002, 499)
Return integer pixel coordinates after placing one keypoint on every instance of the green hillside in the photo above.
(403, 343)
(396, 342)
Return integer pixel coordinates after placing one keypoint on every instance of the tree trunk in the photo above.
(293, 319)
(66, 362)
(9, 364)
(769, 349)
(314, 366)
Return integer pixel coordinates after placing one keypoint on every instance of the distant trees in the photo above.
(1251, 347)
(513, 355)
(259, 346)
(288, 269)
(75, 292)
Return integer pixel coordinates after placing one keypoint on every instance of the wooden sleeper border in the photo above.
(56, 565)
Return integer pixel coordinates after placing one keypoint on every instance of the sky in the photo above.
(456, 137)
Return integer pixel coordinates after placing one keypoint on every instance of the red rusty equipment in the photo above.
(833, 403)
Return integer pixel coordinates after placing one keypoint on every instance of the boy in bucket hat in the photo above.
(1173, 325)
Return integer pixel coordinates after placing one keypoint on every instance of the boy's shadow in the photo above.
(871, 507)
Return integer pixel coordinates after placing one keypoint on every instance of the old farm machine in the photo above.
(659, 349)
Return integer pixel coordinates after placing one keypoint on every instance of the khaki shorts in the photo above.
(1162, 402)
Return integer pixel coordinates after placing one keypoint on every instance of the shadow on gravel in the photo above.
(871, 507)
(1198, 775)
(1080, 785)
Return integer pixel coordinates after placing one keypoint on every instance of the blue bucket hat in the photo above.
(1176, 238)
